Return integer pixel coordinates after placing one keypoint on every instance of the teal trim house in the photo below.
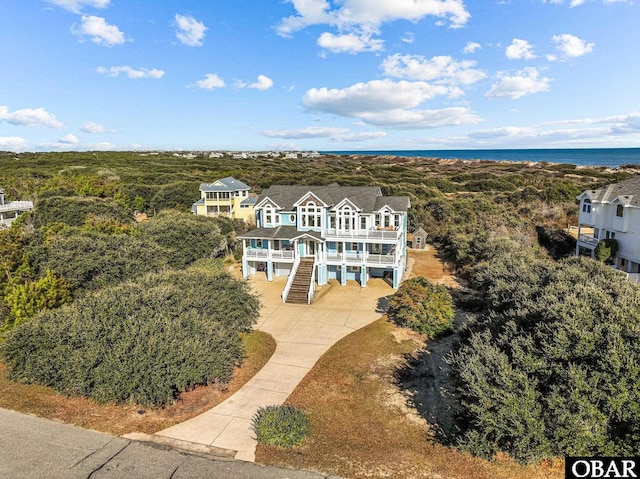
(348, 232)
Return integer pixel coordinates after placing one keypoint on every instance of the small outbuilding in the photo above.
(418, 239)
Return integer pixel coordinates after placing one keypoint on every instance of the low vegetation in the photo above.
(283, 426)
(142, 342)
(422, 306)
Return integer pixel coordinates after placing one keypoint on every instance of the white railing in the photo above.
(382, 259)
(588, 239)
(256, 253)
(311, 284)
(17, 206)
(287, 287)
(360, 258)
(382, 234)
(282, 254)
(251, 253)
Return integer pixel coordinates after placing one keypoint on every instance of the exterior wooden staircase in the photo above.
(301, 282)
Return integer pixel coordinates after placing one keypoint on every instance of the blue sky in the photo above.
(318, 74)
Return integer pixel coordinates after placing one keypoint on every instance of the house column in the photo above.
(363, 276)
(245, 263)
(269, 262)
(343, 273)
(397, 275)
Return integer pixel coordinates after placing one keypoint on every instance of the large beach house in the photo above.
(612, 212)
(316, 233)
(226, 197)
(11, 210)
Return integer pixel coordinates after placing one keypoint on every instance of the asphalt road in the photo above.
(33, 448)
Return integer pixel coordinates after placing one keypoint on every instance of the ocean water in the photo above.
(609, 157)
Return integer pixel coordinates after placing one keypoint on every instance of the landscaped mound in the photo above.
(143, 342)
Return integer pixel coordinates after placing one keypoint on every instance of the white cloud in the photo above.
(332, 133)
(13, 143)
(76, 6)
(471, 47)
(350, 42)
(441, 69)
(408, 37)
(371, 13)
(519, 50)
(576, 3)
(69, 139)
(190, 31)
(210, 81)
(99, 30)
(524, 82)
(93, 127)
(570, 46)
(30, 117)
(357, 20)
(131, 72)
(263, 83)
(389, 104)
(374, 96)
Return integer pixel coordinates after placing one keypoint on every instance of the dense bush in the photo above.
(284, 426)
(422, 306)
(179, 195)
(26, 299)
(89, 260)
(74, 211)
(143, 342)
(552, 368)
(185, 237)
(606, 250)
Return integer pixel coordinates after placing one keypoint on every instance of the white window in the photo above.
(363, 222)
(619, 211)
(353, 269)
(396, 221)
(292, 219)
(586, 206)
(258, 243)
(354, 246)
(346, 218)
(311, 215)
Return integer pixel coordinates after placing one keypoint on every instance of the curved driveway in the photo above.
(303, 333)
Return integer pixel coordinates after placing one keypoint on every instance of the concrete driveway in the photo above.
(303, 333)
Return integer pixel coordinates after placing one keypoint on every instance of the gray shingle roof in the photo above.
(628, 189)
(227, 184)
(280, 232)
(251, 200)
(364, 197)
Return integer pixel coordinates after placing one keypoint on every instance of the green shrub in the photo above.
(75, 211)
(551, 368)
(422, 307)
(606, 250)
(185, 237)
(90, 260)
(284, 426)
(180, 195)
(142, 342)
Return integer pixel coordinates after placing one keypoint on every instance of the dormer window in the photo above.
(619, 211)
(586, 206)
(311, 215)
(270, 216)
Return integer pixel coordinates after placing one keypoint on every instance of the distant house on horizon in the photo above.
(225, 197)
(11, 210)
(612, 212)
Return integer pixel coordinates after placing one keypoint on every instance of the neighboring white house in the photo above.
(11, 210)
(338, 232)
(612, 211)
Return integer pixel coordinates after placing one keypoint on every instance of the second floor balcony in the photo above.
(383, 234)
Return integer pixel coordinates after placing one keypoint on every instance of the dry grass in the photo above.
(121, 419)
(361, 430)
